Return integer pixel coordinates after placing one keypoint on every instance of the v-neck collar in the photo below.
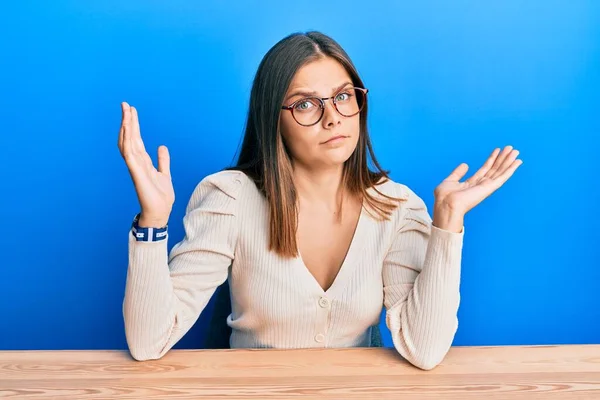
(354, 250)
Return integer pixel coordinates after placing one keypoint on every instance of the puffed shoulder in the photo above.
(414, 207)
(411, 207)
(218, 192)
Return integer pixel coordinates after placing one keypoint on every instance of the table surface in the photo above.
(490, 373)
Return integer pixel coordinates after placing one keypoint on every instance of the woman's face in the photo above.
(312, 146)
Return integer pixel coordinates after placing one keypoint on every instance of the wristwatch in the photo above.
(147, 234)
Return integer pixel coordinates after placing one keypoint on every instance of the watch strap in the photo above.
(147, 234)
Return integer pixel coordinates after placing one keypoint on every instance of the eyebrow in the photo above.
(314, 93)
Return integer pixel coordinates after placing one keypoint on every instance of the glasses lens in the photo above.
(349, 101)
(307, 111)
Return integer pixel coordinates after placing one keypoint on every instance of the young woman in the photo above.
(312, 241)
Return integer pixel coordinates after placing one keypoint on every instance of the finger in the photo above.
(508, 172)
(137, 144)
(499, 160)
(138, 163)
(512, 156)
(125, 127)
(120, 141)
(136, 134)
(458, 173)
(505, 164)
(485, 168)
(164, 160)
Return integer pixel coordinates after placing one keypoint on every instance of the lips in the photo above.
(334, 138)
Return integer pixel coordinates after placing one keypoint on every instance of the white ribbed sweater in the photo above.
(405, 264)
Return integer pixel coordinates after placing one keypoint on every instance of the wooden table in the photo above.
(489, 373)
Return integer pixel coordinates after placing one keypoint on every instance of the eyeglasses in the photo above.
(309, 110)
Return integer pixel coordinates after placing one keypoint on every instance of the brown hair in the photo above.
(263, 156)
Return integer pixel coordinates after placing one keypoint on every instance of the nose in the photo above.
(331, 117)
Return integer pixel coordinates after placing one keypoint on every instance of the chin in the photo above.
(337, 157)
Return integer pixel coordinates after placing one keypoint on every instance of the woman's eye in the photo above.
(342, 96)
(304, 105)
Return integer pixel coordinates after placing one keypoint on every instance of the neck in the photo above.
(321, 187)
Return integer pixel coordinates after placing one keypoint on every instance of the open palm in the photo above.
(153, 185)
(463, 196)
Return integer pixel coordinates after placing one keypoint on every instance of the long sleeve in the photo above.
(165, 293)
(421, 276)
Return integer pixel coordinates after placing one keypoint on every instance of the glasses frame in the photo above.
(322, 101)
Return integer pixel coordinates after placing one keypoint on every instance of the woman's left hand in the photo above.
(453, 199)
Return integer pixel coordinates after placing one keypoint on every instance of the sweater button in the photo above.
(319, 338)
(324, 302)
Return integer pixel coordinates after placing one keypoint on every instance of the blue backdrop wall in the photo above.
(448, 83)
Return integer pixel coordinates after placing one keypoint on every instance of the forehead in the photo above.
(321, 76)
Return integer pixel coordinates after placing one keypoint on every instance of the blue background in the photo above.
(448, 81)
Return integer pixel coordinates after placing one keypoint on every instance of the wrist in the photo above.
(150, 222)
(446, 218)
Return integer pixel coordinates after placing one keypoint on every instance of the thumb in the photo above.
(164, 160)
(458, 173)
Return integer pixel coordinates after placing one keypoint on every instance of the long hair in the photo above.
(263, 156)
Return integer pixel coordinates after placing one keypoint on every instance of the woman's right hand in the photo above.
(153, 187)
